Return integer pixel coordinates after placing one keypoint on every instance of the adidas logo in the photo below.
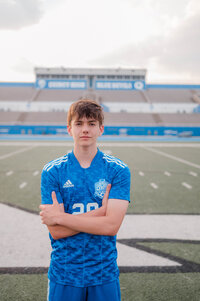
(68, 184)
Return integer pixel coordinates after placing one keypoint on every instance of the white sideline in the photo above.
(172, 157)
(17, 152)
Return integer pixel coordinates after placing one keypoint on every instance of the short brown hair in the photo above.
(85, 108)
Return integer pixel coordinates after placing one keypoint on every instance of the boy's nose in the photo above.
(85, 128)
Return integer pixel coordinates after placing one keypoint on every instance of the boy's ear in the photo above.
(69, 130)
(101, 130)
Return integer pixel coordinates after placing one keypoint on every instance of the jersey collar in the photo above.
(77, 164)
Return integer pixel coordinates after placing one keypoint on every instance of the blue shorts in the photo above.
(104, 292)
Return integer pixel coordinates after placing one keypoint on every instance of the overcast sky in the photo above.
(162, 36)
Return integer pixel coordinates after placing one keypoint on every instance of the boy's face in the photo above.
(85, 131)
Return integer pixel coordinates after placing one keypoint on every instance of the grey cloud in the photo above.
(132, 55)
(177, 53)
(15, 14)
(182, 50)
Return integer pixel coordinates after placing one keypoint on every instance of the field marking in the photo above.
(101, 144)
(22, 185)
(9, 173)
(17, 152)
(192, 173)
(172, 157)
(167, 173)
(133, 227)
(35, 173)
(141, 173)
(188, 186)
(154, 185)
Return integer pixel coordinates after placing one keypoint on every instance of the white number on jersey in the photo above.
(89, 207)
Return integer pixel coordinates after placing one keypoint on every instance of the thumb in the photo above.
(54, 198)
(107, 190)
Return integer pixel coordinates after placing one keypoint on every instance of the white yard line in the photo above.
(192, 173)
(188, 186)
(22, 185)
(141, 173)
(154, 185)
(172, 157)
(35, 173)
(167, 173)
(9, 173)
(17, 152)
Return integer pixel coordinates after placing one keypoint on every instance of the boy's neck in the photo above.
(85, 155)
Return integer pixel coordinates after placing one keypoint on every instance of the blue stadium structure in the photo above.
(132, 106)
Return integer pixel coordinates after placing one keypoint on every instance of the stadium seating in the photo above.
(169, 95)
(17, 93)
(58, 95)
(111, 119)
(180, 119)
(112, 101)
(9, 117)
(120, 96)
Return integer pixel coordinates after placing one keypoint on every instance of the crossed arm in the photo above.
(105, 220)
(59, 231)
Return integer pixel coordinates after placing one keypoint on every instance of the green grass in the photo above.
(23, 287)
(160, 287)
(170, 197)
(187, 251)
(134, 287)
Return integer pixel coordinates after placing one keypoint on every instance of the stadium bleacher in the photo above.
(146, 105)
(15, 93)
(111, 119)
(169, 95)
(121, 96)
(58, 95)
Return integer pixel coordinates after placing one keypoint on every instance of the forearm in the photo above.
(61, 231)
(99, 225)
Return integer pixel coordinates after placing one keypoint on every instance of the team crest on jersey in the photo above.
(100, 188)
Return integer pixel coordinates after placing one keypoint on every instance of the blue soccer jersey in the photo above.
(84, 259)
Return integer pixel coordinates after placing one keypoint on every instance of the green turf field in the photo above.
(165, 180)
(157, 181)
(134, 287)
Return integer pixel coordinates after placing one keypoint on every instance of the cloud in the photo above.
(181, 51)
(15, 14)
(173, 54)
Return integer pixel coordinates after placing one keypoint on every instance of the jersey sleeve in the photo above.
(49, 183)
(120, 185)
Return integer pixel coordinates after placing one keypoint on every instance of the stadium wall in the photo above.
(183, 131)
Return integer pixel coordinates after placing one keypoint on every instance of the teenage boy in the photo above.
(85, 195)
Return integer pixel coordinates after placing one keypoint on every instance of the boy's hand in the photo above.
(49, 213)
(105, 198)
